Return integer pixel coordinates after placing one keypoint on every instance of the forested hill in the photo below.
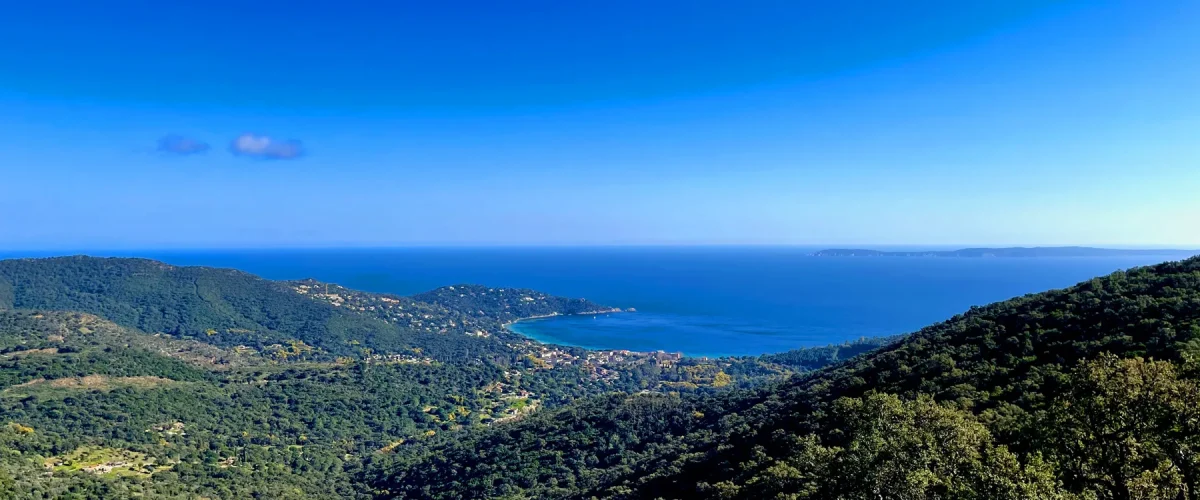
(126, 378)
(230, 308)
(1009, 252)
(1086, 392)
(129, 378)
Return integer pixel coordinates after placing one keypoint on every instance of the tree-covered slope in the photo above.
(229, 308)
(225, 306)
(310, 320)
(96, 410)
(507, 304)
(241, 387)
(314, 390)
(994, 403)
(90, 408)
(93, 409)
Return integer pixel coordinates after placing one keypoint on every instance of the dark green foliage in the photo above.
(1004, 362)
(110, 362)
(247, 425)
(297, 429)
(188, 301)
(246, 387)
(885, 447)
(1130, 426)
(1087, 392)
(6, 294)
(550, 454)
(506, 304)
(1006, 366)
(816, 357)
(228, 308)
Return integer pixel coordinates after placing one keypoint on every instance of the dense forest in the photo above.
(125, 377)
(1087, 392)
(230, 308)
(128, 377)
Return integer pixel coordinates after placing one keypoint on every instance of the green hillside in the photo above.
(122, 378)
(1086, 392)
(128, 377)
(229, 308)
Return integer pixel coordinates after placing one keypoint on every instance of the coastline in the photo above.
(557, 314)
(509, 325)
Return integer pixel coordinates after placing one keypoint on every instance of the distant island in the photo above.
(1006, 252)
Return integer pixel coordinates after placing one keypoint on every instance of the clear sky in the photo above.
(246, 124)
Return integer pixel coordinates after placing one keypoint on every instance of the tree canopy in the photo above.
(125, 377)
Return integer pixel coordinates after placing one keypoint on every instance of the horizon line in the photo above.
(515, 246)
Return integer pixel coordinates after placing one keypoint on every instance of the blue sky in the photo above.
(583, 123)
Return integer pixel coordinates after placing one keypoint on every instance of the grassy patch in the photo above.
(86, 383)
(31, 352)
(105, 461)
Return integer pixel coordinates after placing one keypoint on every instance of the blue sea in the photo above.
(701, 301)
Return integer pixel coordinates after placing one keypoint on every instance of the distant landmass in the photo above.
(1007, 252)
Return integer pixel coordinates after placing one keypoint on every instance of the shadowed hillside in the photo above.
(994, 403)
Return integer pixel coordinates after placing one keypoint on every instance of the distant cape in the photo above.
(1008, 252)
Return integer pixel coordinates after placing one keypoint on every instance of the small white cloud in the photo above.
(261, 146)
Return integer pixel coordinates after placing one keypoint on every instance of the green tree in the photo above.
(1128, 429)
(922, 450)
(883, 447)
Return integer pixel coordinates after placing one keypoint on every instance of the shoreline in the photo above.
(678, 355)
(557, 314)
(508, 326)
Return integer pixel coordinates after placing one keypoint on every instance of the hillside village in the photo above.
(194, 379)
(495, 308)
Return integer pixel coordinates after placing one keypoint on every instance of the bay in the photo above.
(701, 301)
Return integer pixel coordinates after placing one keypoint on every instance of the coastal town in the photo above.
(493, 310)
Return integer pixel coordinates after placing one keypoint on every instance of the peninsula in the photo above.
(1008, 252)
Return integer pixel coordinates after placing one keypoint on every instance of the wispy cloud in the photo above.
(261, 146)
(180, 145)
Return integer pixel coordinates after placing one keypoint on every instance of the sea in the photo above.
(700, 301)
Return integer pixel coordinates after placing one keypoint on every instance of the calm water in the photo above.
(699, 301)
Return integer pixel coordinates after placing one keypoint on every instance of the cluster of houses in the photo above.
(398, 311)
(397, 359)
